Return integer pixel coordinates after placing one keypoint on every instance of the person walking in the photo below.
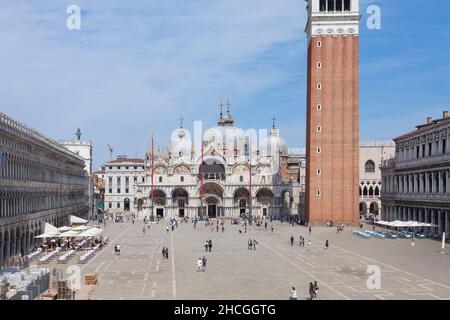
(210, 245)
(167, 228)
(167, 253)
(143, 230)
(309, 243)
(217, 227)
(223, 228)
(309, 230)
(312, 293)
(271, 228)
(249, 244)
(206, 245)
(293, 295)
(204, 264)
(316, 288)
(163, 253)
(254, 244)
(199, 264)
(303, 242)
(326, 244)
(292, 240)
(265, 225)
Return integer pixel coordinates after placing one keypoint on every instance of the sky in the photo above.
(136, 65)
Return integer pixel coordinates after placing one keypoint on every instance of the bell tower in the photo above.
(332, 138)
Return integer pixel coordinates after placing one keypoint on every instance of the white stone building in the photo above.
(416, 182)
(235, 175)
(84, 150)
(371, 155)
(40, 181)
(120, 177)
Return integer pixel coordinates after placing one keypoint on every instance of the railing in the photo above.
(418, 197)
(427, 160)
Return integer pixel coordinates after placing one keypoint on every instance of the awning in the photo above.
(405, 224)
(70, 233)
(93, 232)
(77, 220)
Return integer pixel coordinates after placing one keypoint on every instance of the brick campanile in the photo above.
(332, 138)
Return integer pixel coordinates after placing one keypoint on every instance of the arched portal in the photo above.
(126, 204)
(362, 208)
(180, 198)
(241, 199)
(213, 197)
(159, 202)
(265, 201)
(374, 208)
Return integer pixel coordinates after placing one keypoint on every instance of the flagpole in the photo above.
(250, 180)
(201, 184)
(152, 193)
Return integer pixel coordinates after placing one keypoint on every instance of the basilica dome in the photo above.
(180, 143)
(273, 144)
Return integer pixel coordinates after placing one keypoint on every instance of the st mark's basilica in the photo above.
(230, 176)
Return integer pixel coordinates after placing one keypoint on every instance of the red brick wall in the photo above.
(338, 139)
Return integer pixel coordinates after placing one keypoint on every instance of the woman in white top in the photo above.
(293, 295)
(199, 264)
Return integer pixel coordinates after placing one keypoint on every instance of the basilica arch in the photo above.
(180, 200)
(241, 198)
(265, 203)
(212, 204)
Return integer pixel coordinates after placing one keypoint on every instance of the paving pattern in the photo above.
(234, 272)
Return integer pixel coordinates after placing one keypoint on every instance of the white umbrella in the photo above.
(93, 232)
(77, 220)
(70, 233)
(80, 228)
(64, 228)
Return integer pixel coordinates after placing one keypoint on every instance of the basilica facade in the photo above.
(226, 175)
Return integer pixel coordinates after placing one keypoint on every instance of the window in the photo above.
(319, 107)
(182, 179)
(118, 205)
(319, 150)
(319, 44)
(135, 179)
(319, 129)
(110, 181)
(338, 5)
(423, 151)
(319, 86)
(417, 152)
(330, 5)
(346, 5)
(241, 179)
(143, 179)
(135, 168)
(127, 181)
(118, 167)
(118, 190)
(118, 181)
(127, 167)
(110, 168)
(110, 190)
(444, 145)
(318, 172)
(126, 190)
(319, 65)
(318, 193)
(160, 179)
(429, 149)
(109, 205)
(323, 5)
(370, 166)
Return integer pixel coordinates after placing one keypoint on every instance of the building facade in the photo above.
(120, 178)
(40, 181)
(227, 176)
(99, 189)
(416, 182)
(371, 156)
(332, 138)
(84, 150)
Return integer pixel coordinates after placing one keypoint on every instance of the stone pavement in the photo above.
(234, 272)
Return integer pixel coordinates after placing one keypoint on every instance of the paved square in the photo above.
(234, 272)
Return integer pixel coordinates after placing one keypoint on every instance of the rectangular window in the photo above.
(110, 205)
(143, 179)
(118, 167)
(126, 167)
(126, 190)
(127, 181)
(118, 205)
(444, 145)
(110, 168)
(423, 151)
(429, 149)
(319, 44)
(135, 168)
(110, 190)
(110, 181)
(118, 190)
(417, 152)
(118, 181)
(135, 179)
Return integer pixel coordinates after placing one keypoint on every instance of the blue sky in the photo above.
(136, 65)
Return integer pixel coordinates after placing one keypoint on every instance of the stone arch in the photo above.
(364, 191)
(377, 191)
(181, 169)
(362, 208)
(159, 197)
(179, 194)
(370, 192)
(373, 209)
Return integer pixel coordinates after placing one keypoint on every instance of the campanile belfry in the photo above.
(332, 138)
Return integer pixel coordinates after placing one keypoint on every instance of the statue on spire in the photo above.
(78, 134)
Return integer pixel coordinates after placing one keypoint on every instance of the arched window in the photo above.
(339, 5)
(377, 191)
(323, 5)
(160, 179)
(370, 191)
(370, 166)
(365, 191)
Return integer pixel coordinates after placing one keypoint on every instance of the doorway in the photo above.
(126, 204)
(212, 210)
(181, 213)
(264, 212)
(160, 212)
